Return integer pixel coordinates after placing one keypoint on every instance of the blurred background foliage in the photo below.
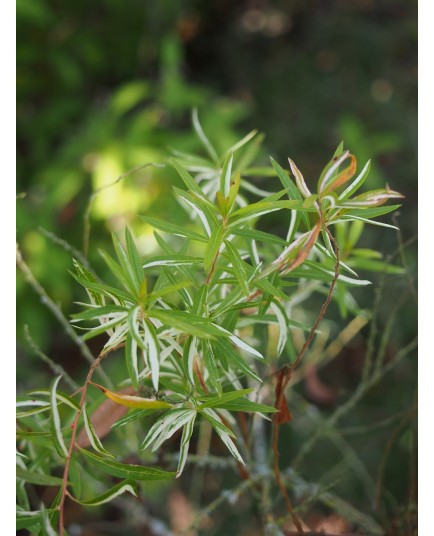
(106, 87)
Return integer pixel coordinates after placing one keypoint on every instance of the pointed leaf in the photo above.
(214, 243)
(199, 131)
(225, 177)
(55, 421)
(188, 180)
(125, 486)
(153, 351)
(174, 229)
(135, 472)
(133, 401)
(91, 434)
(185, 442)
(210, 402)
(39, 479)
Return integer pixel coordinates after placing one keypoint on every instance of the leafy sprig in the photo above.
(189, 318)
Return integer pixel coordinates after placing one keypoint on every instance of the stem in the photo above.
(284, 376)
(294, 516)
(57, 312)
(57, 369)
(65, 492)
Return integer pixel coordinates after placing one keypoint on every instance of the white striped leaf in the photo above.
(223, 434)
(91, 434)
(185, 442)
(59, 442)
(152, 352)
(282, 320)
(225, 179)
(168, 431)
(126, 486)
(158, 427)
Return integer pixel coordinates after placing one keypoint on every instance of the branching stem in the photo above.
(74, 427)
(285, 374)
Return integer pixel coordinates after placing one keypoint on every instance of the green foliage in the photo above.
(190, 320)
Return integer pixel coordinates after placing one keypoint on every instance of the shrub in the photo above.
(205, 327)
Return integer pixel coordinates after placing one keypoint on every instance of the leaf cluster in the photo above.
(189, 319)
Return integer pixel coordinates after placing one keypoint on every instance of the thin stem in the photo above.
(343, 409)
(74, 426)
(57, 369)
(57, 312)
(285, 374)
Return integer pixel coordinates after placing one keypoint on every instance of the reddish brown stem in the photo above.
(74, 426)
(284, 376)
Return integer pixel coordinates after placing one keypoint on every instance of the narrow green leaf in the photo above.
(249, 153)
(376, 266)
(254, 210)
(286, 180)
(174, 229)
(126, 264)
(370, 212)
(237, 341)
(47, 527)
(246, 405)
(227, 302)
(104, 327)
(254, 234)
(223, 434)
(215, 241)
(188, 180)
(55, 421)
(133, 323)
(186, 298)
(91, 434)
(225, 177)
(200, 300)
(213, 417)
(121, 470)
(134, 258)
(211, 366)
(224, 350)
(201, 134)
(39, 479)
(188, 357)
(153, 351)
(166, 426)
(365, 220)
(116, 270)
(27, 519)
(97, 312)
(267, 286)
(206, 212)
(238, 266)
(355, 185)
(125, 486)
(131, 359)
(132, 416)
(282, 319)
(211, 402)
(104, 289)
(185, 442)
(187, 322)
(85, 275)
(172, 260)
(61, 397)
